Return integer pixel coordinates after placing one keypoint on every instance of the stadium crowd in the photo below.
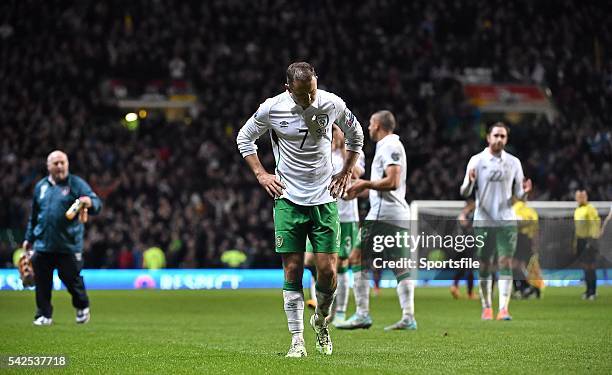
(184, 187)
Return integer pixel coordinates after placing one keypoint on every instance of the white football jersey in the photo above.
(497, 179)
(347, 210)
(391, 205)
(301, 141)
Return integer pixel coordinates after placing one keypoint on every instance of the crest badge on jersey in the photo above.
(65, 190)
(322, 120)
(279, 241)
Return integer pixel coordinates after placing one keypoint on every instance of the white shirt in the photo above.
(347, 210)
(301, 141)
(497, 179)
(389, 205)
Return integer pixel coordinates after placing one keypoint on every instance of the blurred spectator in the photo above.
(153, 258)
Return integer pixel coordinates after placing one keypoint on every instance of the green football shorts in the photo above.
(293, 223)
(349, 237)
(497, 240)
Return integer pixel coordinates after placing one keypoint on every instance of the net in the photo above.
(552, 238)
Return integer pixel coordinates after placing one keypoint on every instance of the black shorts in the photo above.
(523, 248)
(586, 250)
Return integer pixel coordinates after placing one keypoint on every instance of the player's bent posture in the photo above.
(305, 189)
(497, 176)
(57, 237)
(389, 214)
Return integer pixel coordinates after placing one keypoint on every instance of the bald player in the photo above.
(56, 238)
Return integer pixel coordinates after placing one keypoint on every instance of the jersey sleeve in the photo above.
(255, 126)
(32, 219)
(85, 190)
(346, 120)
(518, 180)
(534, 215)
(391, 155)
(466, 187)
(595, 222)
(594, 215)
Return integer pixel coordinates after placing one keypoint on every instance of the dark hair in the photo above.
(386, 119)
(498, 124)
(300, 71)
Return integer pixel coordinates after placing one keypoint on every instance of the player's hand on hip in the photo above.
(527, 185)
(338, 183)
(472, 175)
(273, 186)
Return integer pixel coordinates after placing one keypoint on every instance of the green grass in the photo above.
(244, 331)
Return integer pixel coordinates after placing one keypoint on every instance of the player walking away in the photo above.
(466, 216)
(587, 221)
(389, 215)
(299, 122)
(56, 236)
(526, 245)
(497, 176)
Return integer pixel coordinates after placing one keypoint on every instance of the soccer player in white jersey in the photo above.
(305, 189)
(497, 176)
(389, 215)
(349, 225)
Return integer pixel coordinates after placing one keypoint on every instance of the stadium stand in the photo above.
(184, 187)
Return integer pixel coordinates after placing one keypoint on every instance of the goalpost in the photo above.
(555, 235)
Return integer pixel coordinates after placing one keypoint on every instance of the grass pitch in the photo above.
(245, 331)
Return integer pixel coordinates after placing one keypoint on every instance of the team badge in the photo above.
(322, 120)
(350, 117)
(279, 241)
(65, 190)
(395, 156)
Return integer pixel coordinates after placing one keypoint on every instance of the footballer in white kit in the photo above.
(305, 189)
(389, 215)
(348, 211)
(496, 176)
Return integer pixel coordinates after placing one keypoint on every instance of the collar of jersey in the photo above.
(314, 104)
(387, 138)
(52, 182)
(502, 156)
